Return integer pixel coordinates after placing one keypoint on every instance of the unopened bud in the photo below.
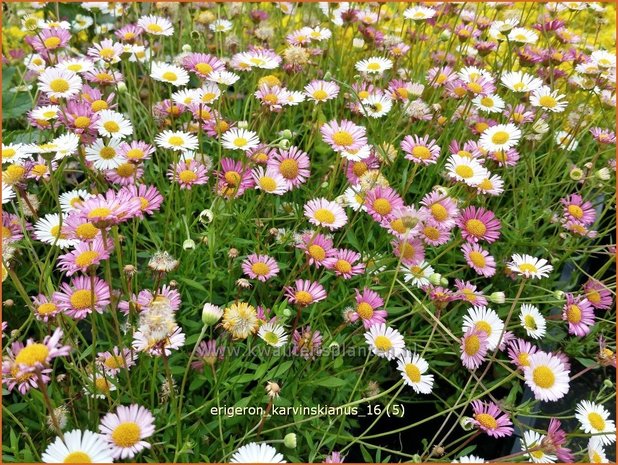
(8, 303)
(358, 43)
(576, 174)
(206, 216)
(243, 125)
(435, 278)
(444, 282)
(211, 314)
(608, 383)
(289, 441)
(232, 253)
(603, 174)
(497, 297)
(188, 244)
(186, 48)
(122, 87)
(286, 134)
(129, 270)
(287, 312)
(284, 144)
(559, 295)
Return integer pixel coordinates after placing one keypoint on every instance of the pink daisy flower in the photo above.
(306, 343)
(136, 151)
(79, 298)
(479, 259)
(431, 234)
(80, 228)
(305, 292)
(367, 309)
(355, 169)
(261, 267)
(473, 348)
(173, 340)
(202, 64)
(85, 255)
(129, 33)
(344, 263)
(108, 209)
(519, 350)
(599, 296)
(292, 164)
(207, 353)
(108, 51)
(405, 221)
(322, 212)
(381, 202)
(126, 429)
(579, 313)
(508, 157)
(577, 210)
(188, 173)
(420, 150)
(438, 77)
(321, 91)
(80, 118)
(410, 251)
(112, 362)
(49, 40)
(125, 174)
(274, 97)
(554, 442)
(149, 197)
(489, 418)
(442, 209)
(11, 227)
(233, 179)
(45, 309)
(144, 299)
(344, 136)
(317, 247)
(478, 224)
(466, 291)
(20, 368)
(603, 136)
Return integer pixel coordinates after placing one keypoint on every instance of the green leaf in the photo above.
(366, 455)
(329, 382)
(15, 105)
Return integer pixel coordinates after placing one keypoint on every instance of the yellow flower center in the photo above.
(85, 259)
(472, 345)
(399, 226)
(596, 421)
(106, 53)
(126, 434)
(9, 153)
(320, 94)
(407, 251)
(543, 376)
(289, 168)
(77, 457)
(260, 268)
(208, 97)
(39, 170)
(104, 77)
(596, 457)
(343, 138)
(486, 184)
(530, 322)
(268, 184)
(75, 67)
(477, 259)
(82, 299)
(99, 105)
(232, 178)
(475, 87)
(270, 99)
(343, 266)
(176, 141)
(324, 215)
(99, 212)
(59, 85)
(52, 42)
(421, 152)
(169, 76)
(548, 101)
(523, 359)
(519, 86)
(135, 154)
(483, 326)
(500, 137)
(487, 102)
(32, 355)
(111, 126)
(303, 297)
(317, 252)
(413, 373)
(359, 168)
(439, 212)
(403, 92)
(593, 296)
(486, 420)
(431, 233)
(574, 314)
(373, 66)
(464, 171)
(86, 231)
(364, 310)
(240, 142)
(107, 153)
(114, 362)
(126, 170)
(203, 68)
(14, 173)
(476, 227)
(382, 206)
(155, 28)
(528, 268)
(82, 122)
(383, 343)
(576, 211)
(187, 176)
(56, 232)
(101, 384)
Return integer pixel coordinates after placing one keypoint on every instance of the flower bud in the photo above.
(576, 174)
(358, 43)
(435, 279)
(243, 124)
(603, 174)
(608, 383)
(444, 282)
(186, 48)
(497, 297)
(286, 134)
(558, 295)
(206, 216)
(466, 423)
(188, 244)
(211, 314)
(445, 36)
(289, 441)
(287, 312)
(122, 87)
(284, 144)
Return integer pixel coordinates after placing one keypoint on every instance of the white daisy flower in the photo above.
(417, 13)
(376, 106)
(484, 319)
(44, 113)
(69, 201)
(413, 368)
(466, 170)
(596, 453)
(518, 81)
(548, 99)
(76, 65)
(257, 453)
(500, 137)
(418, 275)
(384, 341)
(113, 124)
(156, 25)
(240, 139)
(547, 376)
(35, 62)
(104, 155)
(356, 154)
(48, 230)
(221, 25)
(532, 321)
(66, 145)
(187, 96)
(603, 59)
(473, 73)
(273, 334)
(531, 444)
(470, 459)
(78, 447)
(177, 140)
(529, 266)
(172, 74)
(226, 78)
(318, 33)
(566, 141)
(294, 97)
(8, 193)
(374, 65)
(489, 103)
(59, 83)
(15, 153)
(594, 419)
(353, 198)
(523, 35)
